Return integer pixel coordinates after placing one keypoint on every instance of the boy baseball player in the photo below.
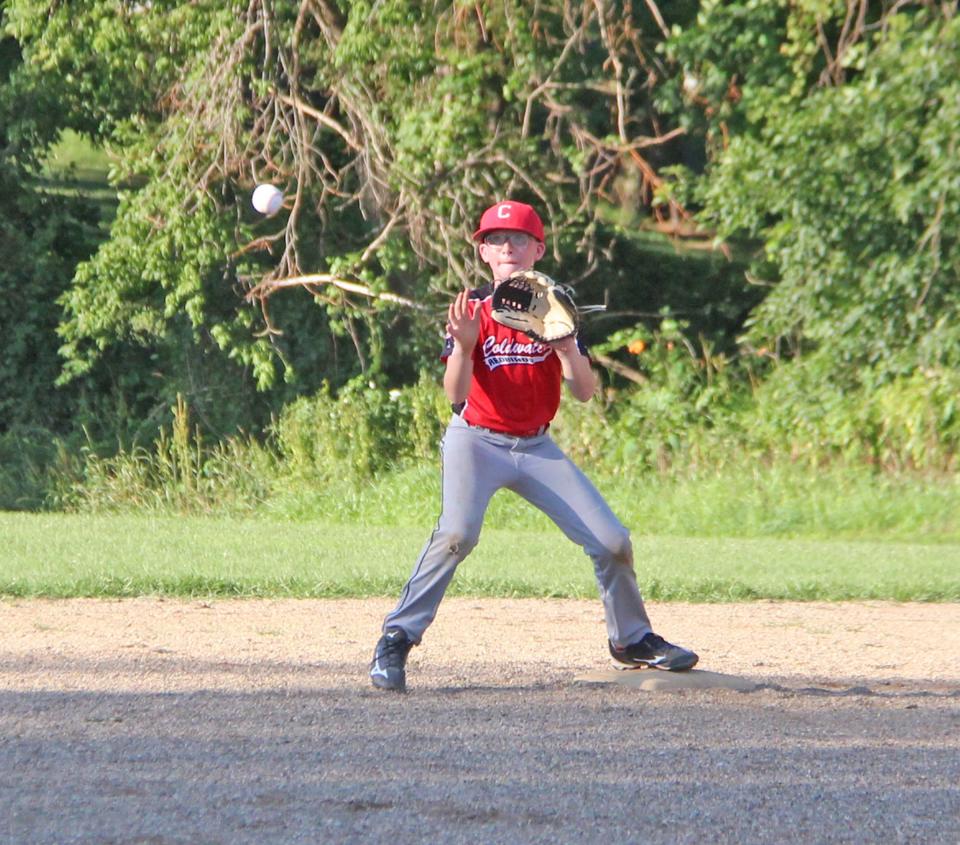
(505, 390)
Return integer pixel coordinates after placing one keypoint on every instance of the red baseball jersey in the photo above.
(516, 381)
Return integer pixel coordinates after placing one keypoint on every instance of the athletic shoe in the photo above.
(652, 651)
(387, 667)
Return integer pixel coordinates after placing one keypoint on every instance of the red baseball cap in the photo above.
(510, 214)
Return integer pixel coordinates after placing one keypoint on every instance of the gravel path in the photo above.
(149, 721)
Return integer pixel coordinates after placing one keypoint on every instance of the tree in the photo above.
(389, 125)
(43, 236)
(846, 176)
(833, 153)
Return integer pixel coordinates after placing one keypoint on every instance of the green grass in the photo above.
(74, 154)
(75, 167)
(56, 555)
(787, 502)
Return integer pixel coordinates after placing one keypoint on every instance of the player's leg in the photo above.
(552, 482)
(474, 467)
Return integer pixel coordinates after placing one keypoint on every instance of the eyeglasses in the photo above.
(517, 239)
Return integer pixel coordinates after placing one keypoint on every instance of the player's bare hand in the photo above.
(463, 321)
(565, 347)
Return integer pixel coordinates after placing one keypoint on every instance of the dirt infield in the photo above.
(160, 721)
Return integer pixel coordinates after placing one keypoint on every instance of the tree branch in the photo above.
(269, 286)
(620, 369)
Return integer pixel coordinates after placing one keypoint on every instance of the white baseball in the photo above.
(267, 199)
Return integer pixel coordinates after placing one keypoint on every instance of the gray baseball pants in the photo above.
(476, 463)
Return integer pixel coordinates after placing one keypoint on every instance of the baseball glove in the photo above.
(536, 305)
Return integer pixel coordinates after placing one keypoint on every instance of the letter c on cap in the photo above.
(503, 213)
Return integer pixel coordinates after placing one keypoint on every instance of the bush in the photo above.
(362, 432)
(26, 455)
(686, 403)
(179, 474)
(696, 438)
(908, 423)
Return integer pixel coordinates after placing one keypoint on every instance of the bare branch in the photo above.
(329, 133)
(655, 11)
(320, 117)
(270, 286)
(620, 369)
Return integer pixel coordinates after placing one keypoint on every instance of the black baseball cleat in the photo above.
(653, 651)
(387, 667)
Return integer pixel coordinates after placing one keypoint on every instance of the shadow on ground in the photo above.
(556, 762)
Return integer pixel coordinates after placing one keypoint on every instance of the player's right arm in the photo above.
(463, 325)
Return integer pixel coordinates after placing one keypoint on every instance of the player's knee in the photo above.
(622, 551)
(460, 540)
(613, 548)
(618, 548)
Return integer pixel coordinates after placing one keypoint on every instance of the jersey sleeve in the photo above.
(447, 347)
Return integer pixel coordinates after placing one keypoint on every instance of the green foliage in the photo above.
(907, 423)
(855, 196)
(363, 432)
(42, 237)
(390, 125)
(820, 147)
(832, 145)
(179, 474)
(106, 63)
(319, 443)
(687, 395)
(730, 52)
(371, 457)
(157, 311)
(26, 454)
(171, 285)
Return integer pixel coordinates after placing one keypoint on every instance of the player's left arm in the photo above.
(578, 375)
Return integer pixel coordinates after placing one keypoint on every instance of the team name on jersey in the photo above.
(498, 353)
